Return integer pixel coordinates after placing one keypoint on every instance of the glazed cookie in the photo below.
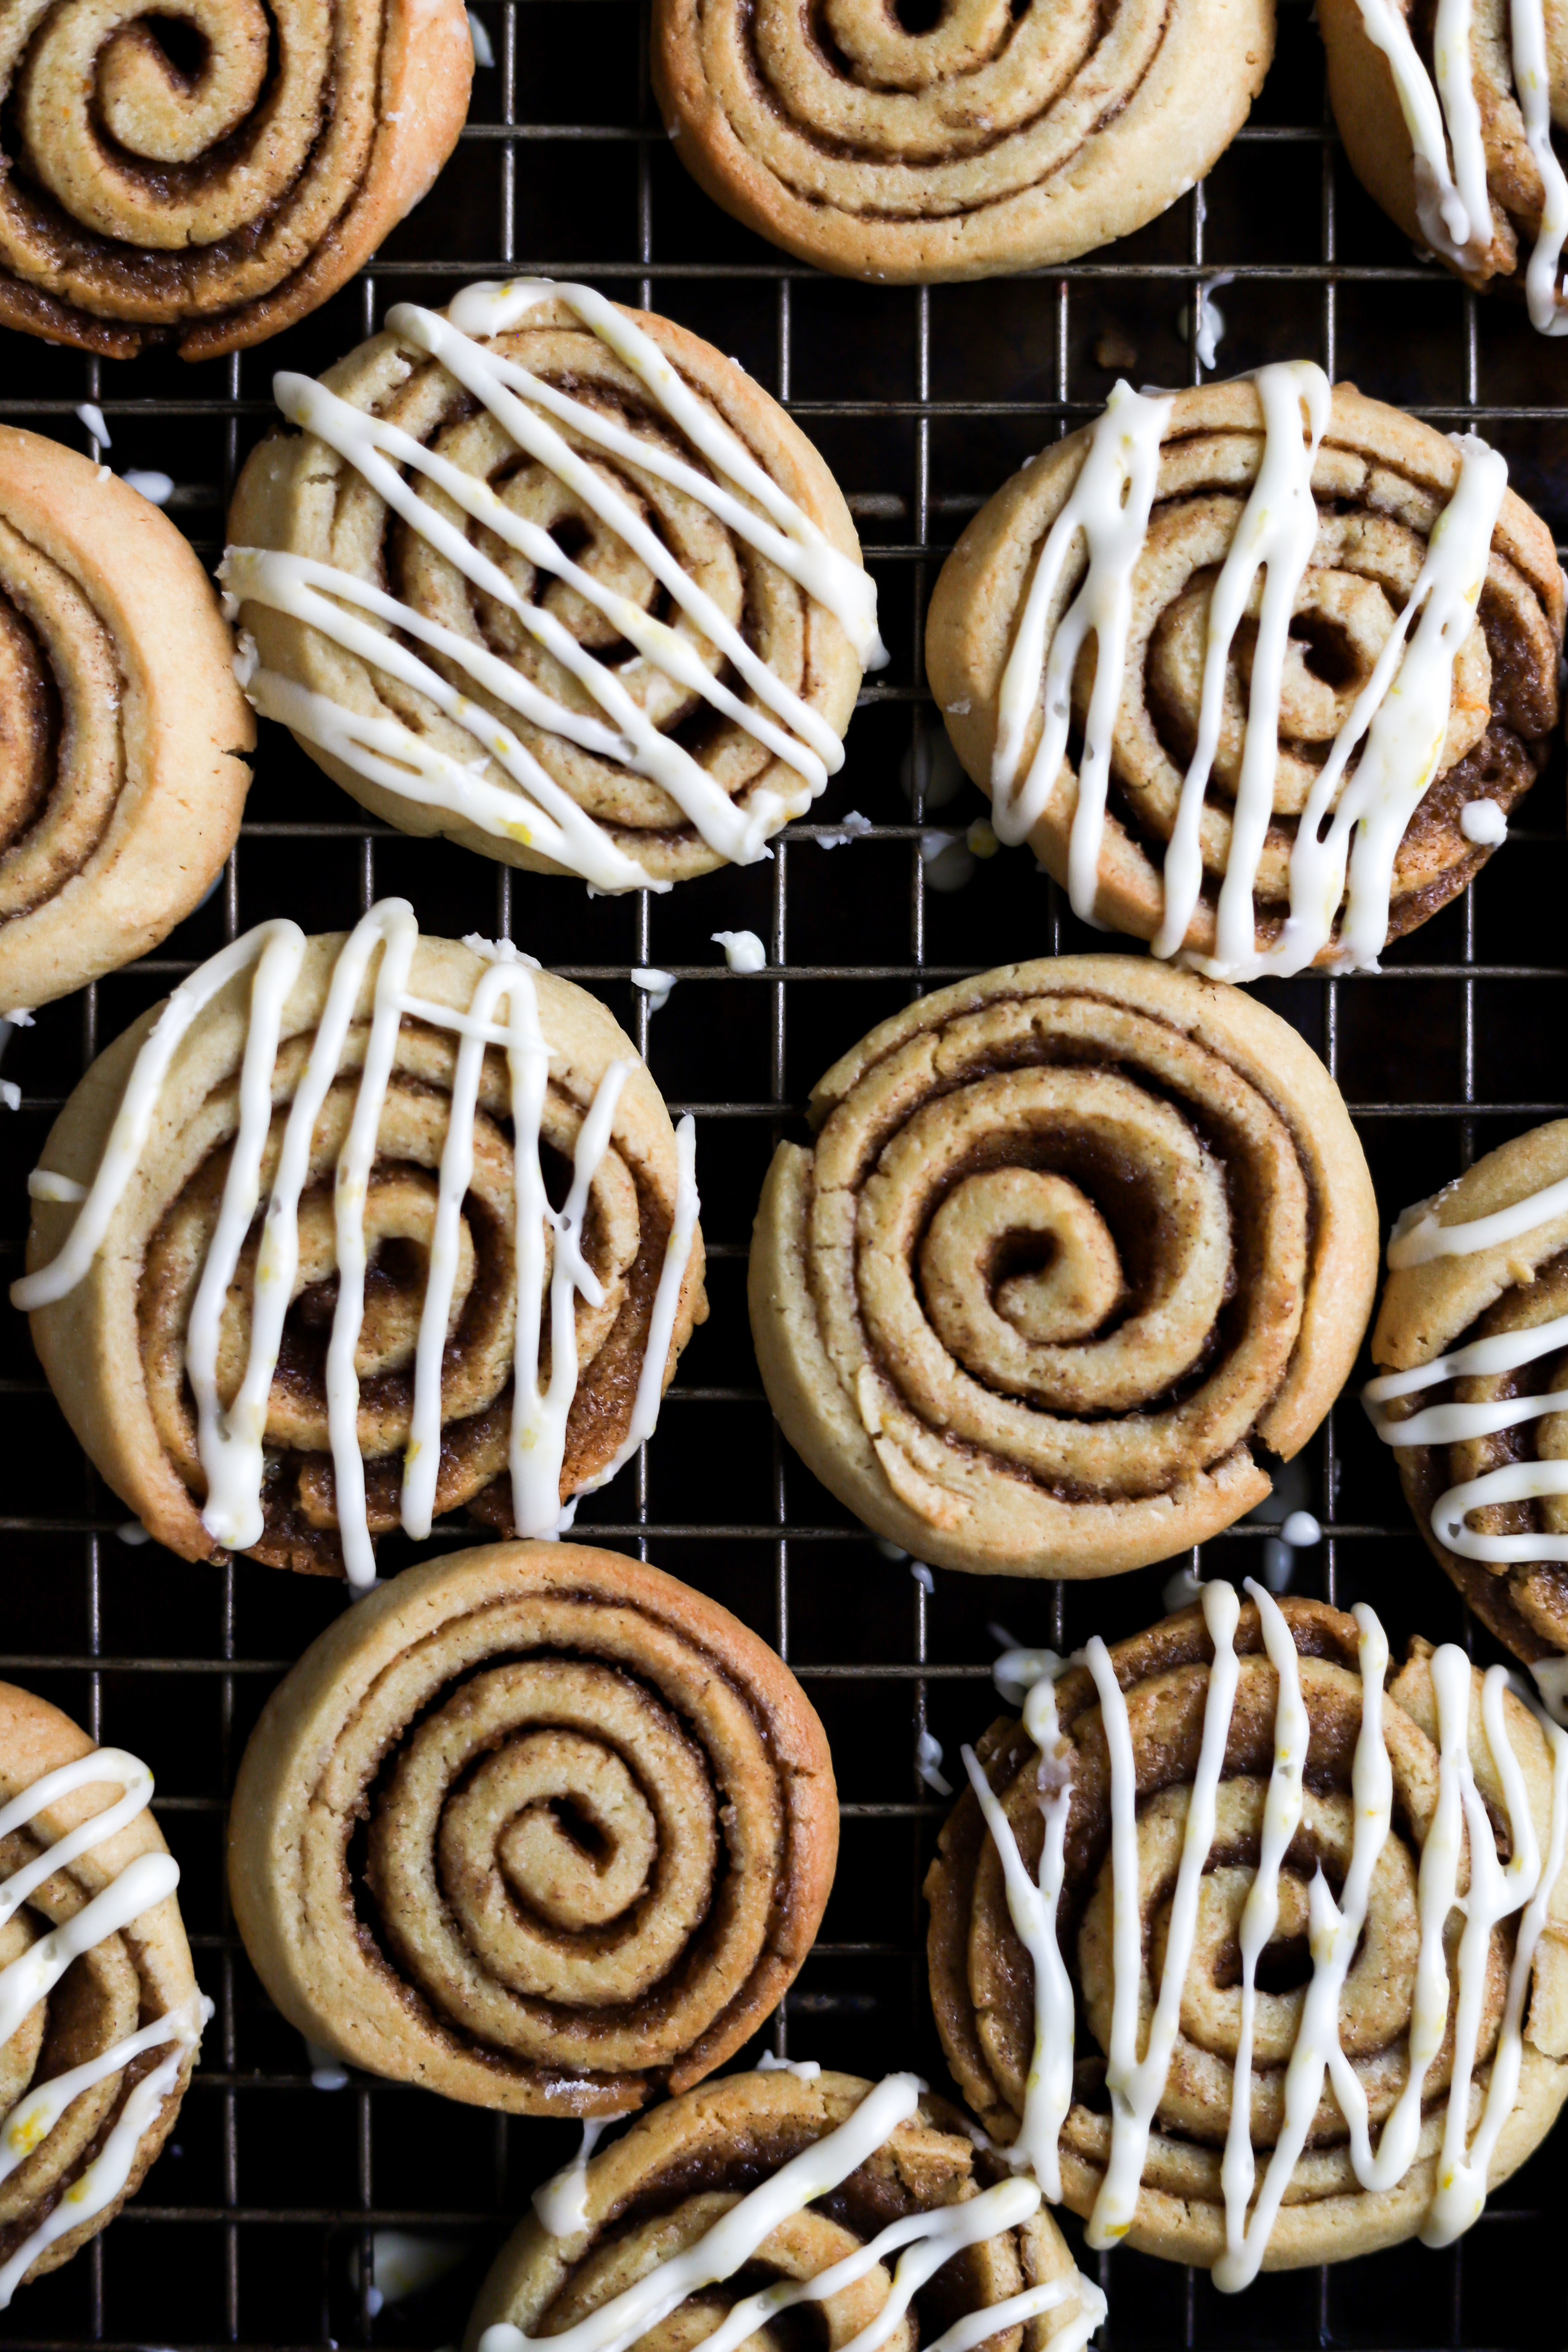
(1073, 1239)
(998, 138)
(557, 580)
(205, 175)
(99, 2014)
(1356, 1887)
(1471, 1341)
(124, 737)
(1285, 585)
(409, 1327)
(535, 1827)
(728, 2206)
(1468, 169)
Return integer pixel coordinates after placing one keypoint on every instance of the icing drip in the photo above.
(924, 2242)
(1417, 1239)
(231, 1443)
(1342, 853)
(29, 1978)
(1522, 1888)
(562, 2201)
(1452, 199)
(539, 813)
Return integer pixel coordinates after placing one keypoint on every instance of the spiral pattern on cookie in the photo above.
(1071, 1238)
(81, 2116)
(1380, 483)
(996, 137)
(599, 1830)
(654, 2194)
(122, 735)
(981, 1977)
(118, 1345)
(205, 174)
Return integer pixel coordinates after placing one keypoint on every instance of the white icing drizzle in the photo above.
(1452, 199)
(804, 2069)
(923, 2240)
(1110, 505)
(1342, 854)
(562, 2201)
(1522, 1888)
(744, 951)
(539, 813)
(28, 1979)
(1484, 822)
(231, 1443)
(1417, 1236)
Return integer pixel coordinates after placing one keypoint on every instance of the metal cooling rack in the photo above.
(261, 2224)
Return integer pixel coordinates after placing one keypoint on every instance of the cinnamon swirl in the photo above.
(203, 174)
(557, 580)
(1286, 587)
(352, 1230)
(1313, 1921)
(720, 2214)
(1073, 1240)
(536, 1827)
(998, 137)
(1461, 157)
(99, 2014)
(1471, 1344)
(122, 735)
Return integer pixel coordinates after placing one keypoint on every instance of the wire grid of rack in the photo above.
(261, 2224)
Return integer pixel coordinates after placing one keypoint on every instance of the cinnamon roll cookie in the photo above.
(203, 174)
(723, 2212)
(1464, 160)
(295, 1274)
(535, 1827)
(1311, 1919)
(1001, 135)
(122, 735)
(557, 580)
(1471, 1346)
(1075, 1240)
(99, 2013)
(1286, 588)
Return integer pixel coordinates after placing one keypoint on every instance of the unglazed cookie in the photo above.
(1477, 182)
(1473, 1357)
(807, 2172)
(1071, 1238)
(1001, 138)
(153, 198)
(1195, 654)
(604, 614)
(599, 1831)
(99, 2013)
(122, 735)
(1355, 1882)
(409, 1325)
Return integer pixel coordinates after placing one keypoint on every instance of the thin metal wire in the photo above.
(923, 1665)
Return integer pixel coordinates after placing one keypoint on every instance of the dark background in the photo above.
(255, 2226)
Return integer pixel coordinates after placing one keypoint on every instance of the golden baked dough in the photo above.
(599, 1831)
(1071, 1238)
(207, 177)
(1008, 134)
(1380, 481)
(124, 737)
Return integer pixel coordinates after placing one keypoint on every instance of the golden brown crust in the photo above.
(130, 1979)
(678, 2169)
(113, 1348)
(996, 142)
(982, 1979)
(297, 495)
(1426, 1311)
(993, 1304)
(1380, 479)
(569, 1722)
(123, 734)
(142, 208)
